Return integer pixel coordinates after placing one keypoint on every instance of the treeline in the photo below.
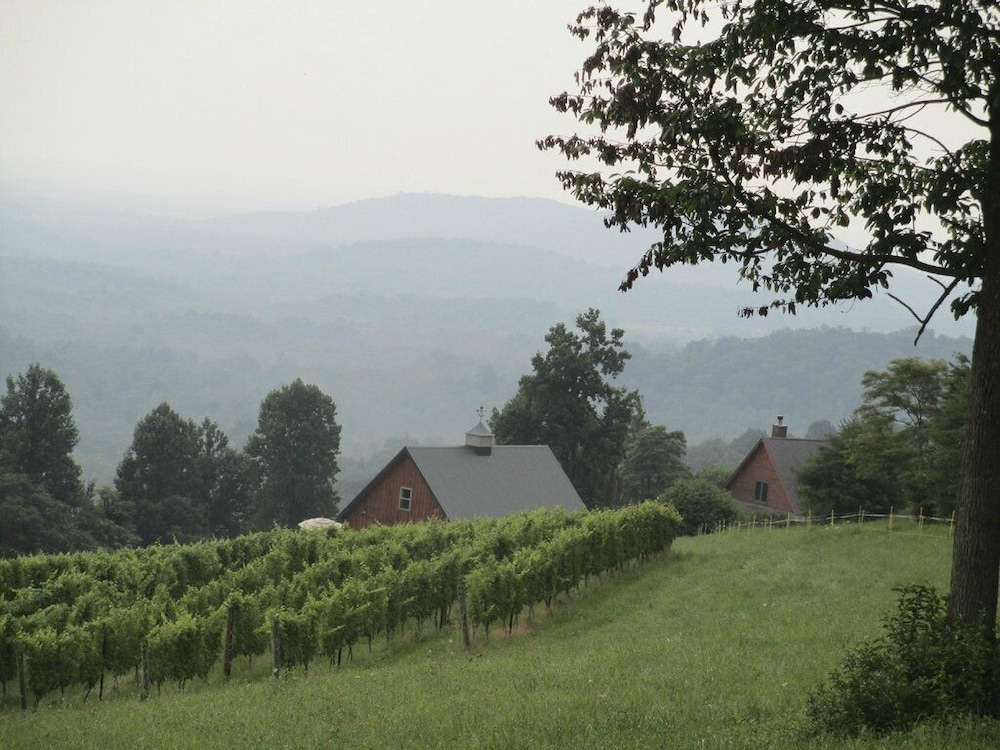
(901, 447)
(715, 388)
(171, 613)
(178, 480)
(712, 389)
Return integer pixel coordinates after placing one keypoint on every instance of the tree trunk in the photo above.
(975, 569)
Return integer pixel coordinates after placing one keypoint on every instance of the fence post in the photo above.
(831, 518)
(809, 520)
(788, 520)
(890, 518)
(951, 524)
(920, 521)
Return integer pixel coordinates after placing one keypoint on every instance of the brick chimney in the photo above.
(779, 430)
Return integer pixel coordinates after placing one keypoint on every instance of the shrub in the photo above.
(701, 504)
(920, 668)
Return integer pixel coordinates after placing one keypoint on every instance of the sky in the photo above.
(213, 106)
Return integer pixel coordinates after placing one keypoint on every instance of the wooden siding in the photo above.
(381, 503)
(760, 468)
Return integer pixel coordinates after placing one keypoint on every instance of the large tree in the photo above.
(864, 465)
(38, 434)
(654, 460)
(227, 478)
(569, 403)
(755, 131)
(295, 448)
(159, 479)
(900, 449)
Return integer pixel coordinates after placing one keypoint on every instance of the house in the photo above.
(475, 480)
(765, 481)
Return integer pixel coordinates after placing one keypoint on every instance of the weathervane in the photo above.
(480, 411)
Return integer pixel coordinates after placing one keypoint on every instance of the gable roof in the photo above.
(511, 479)
(786, 454)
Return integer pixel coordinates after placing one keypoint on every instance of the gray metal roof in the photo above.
(787, 454)
(511, 479)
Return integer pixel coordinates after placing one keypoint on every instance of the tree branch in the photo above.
(934, 308)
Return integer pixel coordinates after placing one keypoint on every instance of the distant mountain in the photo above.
(718, 387)
(410, 311)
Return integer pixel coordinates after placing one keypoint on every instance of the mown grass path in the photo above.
(714, 646)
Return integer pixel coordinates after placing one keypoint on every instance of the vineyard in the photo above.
(171, 613)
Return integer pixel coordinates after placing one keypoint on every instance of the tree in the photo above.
(159, 477)
(295, 450)
(891, 453)
(715, 475)
(701, 504)
(38, 434)
(757, 142)
(908, 391)
(569, 404)
(32, 521)
(44, 506)
(717, 452)
(653, 462)
(821, 429)
(226, 477)
(862, 467)
(946, 435)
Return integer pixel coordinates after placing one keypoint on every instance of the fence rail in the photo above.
(772, 521)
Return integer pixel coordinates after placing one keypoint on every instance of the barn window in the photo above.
(405, 494)
(760, 492)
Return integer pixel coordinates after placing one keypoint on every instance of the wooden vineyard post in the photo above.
(227, 646)
(463, 609)
(145, 670)
(21, 683)
(275, 648)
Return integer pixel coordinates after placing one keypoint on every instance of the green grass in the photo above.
(714, 646)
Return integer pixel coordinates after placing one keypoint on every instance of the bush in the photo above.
(920, 668)
(701, 504)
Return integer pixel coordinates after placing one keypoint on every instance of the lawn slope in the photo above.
(714, 645)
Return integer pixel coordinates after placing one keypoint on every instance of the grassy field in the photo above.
(715, 645)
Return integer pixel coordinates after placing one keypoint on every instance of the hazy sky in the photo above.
(206, 105)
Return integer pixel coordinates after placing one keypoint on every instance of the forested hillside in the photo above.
(410, 311)
(719, 387)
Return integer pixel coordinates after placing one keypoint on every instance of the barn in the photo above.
(765, 480)
(474, 480)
